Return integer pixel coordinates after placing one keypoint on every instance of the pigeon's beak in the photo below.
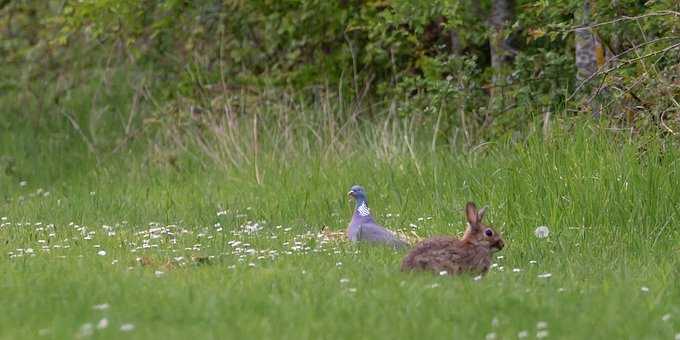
(350, 193)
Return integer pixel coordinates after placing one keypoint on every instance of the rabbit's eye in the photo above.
(488, 232)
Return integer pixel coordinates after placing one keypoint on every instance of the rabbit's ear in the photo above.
(471, 214)
(480, 213)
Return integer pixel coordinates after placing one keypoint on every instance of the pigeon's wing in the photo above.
(372, 232)
(353, 232)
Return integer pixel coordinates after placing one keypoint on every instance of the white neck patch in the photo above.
(363, 209)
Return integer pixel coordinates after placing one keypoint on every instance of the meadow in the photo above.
(121, 247)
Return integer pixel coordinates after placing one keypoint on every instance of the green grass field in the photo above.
(72, 232)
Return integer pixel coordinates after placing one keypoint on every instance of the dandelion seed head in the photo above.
(542, 232)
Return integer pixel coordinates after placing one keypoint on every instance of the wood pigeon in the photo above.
(363, 227)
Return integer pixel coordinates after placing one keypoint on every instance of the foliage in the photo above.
(428, 59)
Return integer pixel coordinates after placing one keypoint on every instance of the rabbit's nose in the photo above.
(500, 244)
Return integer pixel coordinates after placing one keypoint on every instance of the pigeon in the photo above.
(363, 227)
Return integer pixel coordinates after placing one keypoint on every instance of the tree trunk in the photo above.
(502, 16)
(586, 55)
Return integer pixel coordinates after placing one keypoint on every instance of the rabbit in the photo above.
(447, 255)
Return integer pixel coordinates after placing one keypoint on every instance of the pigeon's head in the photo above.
(357, 192)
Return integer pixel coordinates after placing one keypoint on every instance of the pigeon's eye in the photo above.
(488, 232)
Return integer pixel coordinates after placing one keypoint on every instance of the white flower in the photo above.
(666, 317)
(221, 213)
(443, 272)
(477, 278)
(23, 183)
(541, 334)
(541, 325)
(533, 262)
(522, 334)
(352, 290)
(86, 329)
(126, 327)
(544, 275)
(344, 280)
(516, 270)
(102, 306)
(101, 253)
(677, 336)
(158, 273)
(103, 323)
(542, 232)
(644, 289)
(490, 336)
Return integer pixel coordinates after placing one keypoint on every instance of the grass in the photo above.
(611, 206)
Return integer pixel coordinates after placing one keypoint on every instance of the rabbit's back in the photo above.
(449, 255)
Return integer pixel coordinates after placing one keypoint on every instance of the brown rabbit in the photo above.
(452, 256)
